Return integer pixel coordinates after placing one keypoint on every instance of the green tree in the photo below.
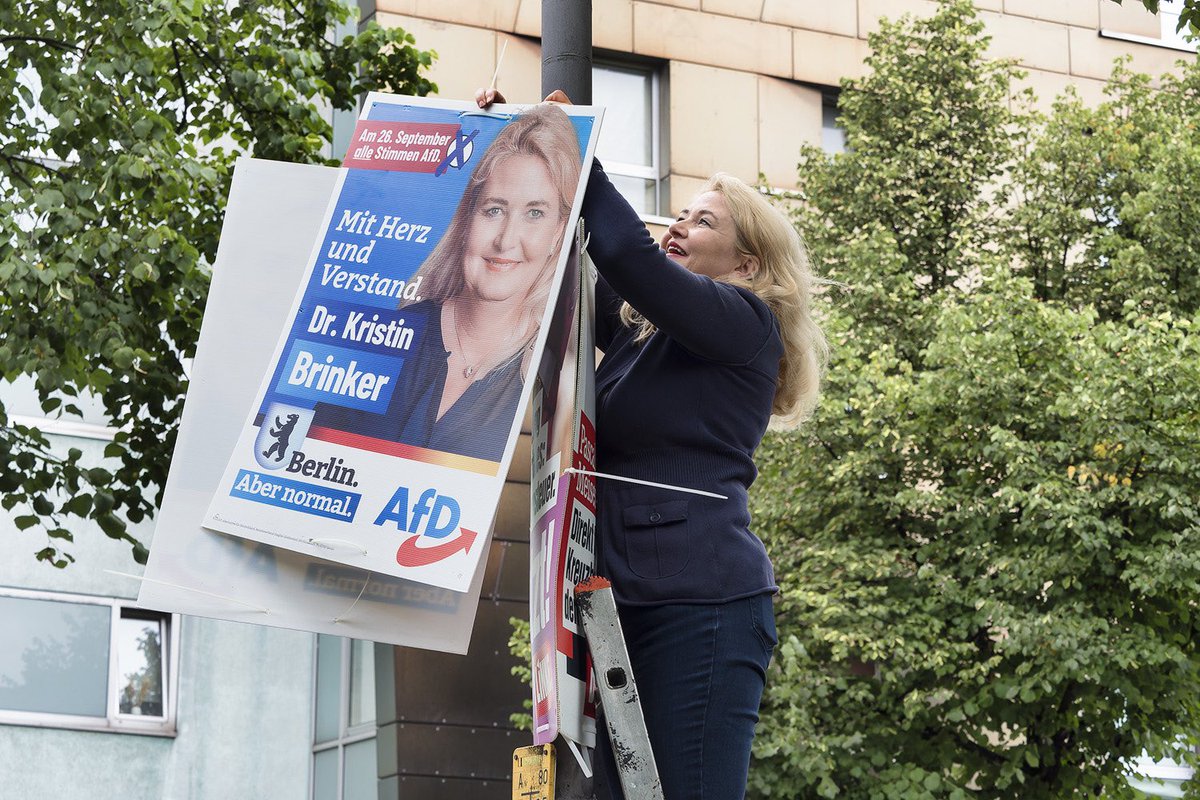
(989, 536)
(120, 123)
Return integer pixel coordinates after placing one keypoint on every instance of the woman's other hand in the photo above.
(485, 97)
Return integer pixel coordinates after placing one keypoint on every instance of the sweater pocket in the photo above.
(656, 539)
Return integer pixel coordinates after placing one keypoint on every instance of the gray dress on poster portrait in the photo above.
(477, 425)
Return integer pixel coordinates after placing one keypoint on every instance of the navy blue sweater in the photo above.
(688, 407)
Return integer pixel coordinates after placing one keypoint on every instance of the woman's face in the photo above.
(703, 238)
(515, 229)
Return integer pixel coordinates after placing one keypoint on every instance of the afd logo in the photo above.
(430, 515)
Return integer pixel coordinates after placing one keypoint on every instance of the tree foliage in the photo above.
(989, 536)
(120, 123)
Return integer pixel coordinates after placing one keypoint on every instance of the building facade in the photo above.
(101, 699)
(697, 86)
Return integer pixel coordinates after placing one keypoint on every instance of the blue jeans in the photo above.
(700, 671)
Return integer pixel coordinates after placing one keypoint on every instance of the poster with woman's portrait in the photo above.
(383, 429)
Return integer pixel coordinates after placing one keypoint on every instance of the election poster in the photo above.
(563, 517)
(387, 416)
(272, 217)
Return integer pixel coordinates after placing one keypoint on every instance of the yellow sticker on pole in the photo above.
(533, 772)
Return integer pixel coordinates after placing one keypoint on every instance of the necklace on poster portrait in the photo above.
(471, 368)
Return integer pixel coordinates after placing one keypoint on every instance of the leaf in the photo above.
(102, 501)
(113, 527)
(123, 357)
(79, 505)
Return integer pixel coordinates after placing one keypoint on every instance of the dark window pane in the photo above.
(833, 138)
(329, 688)
(325, 775)
(360, 781)
(627, 134)
(362, 682)
(140, 640)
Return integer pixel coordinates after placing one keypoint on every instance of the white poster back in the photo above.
(273, 216)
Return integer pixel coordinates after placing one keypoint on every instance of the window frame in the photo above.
(659, 170)
(113, 721)
(1169, 38)
(830, 95)
(1168, 14)
(347, 734)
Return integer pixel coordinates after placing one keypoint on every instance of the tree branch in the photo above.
(181, 126)
(58, 43)
(23, 160)
(971, 744)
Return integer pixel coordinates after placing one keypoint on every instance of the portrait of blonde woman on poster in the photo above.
(484, 289)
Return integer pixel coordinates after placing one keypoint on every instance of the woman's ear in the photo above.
(748, 268)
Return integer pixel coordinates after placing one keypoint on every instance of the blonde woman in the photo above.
(706, 335)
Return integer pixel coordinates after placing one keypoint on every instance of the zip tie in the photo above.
(645, 483)
(188, 589)
(342, 616)
(584, 758)
(489, 114)
(342, 542)
(499, 61)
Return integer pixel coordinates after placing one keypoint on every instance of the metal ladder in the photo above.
(618, 691)
(534, 766)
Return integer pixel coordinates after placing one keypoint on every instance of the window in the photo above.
(632, 139)
(90, 663)
(1159, 778)
(344, 762)
(1168, 16)
(833, 136)
(1168, 21)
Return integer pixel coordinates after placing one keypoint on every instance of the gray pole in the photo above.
(567, 49)
(567, 65)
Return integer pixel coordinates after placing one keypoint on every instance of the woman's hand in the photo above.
(485, 97)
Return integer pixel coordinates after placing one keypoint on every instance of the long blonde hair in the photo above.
(784, 281)
(544, 131)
